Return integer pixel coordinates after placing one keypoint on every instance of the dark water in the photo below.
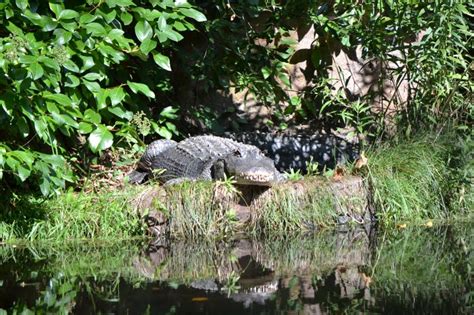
(419, 270)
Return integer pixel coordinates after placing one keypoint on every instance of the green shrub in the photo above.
(75, 72)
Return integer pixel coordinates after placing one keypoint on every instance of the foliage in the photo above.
(406, 182)
(70, 217)
(78, 78)
(251, 45)
(72, 75)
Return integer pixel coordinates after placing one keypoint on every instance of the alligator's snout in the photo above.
(251, 168)
(260, 176)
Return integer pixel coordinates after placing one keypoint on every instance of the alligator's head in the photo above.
(247, 167)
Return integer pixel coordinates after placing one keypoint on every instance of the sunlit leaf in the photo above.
(100, 139)
(162, 61)
(143, 30)
(140, 87)
(194, 14)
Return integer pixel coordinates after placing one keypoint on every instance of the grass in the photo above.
(71, 217)
(288, 211)
(420, 179)
(407, 182)
(412, 181)
(200, 210)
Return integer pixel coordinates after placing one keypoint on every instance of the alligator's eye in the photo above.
(237, 153)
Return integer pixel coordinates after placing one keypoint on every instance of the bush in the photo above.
(75, 72)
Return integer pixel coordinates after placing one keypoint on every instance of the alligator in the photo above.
(208, 158)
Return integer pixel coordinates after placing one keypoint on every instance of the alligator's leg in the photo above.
(144, 170)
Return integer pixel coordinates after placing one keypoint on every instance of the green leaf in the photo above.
(36, 71)
(100, 139)
(92, 86)
(169, 112)
(266, 71)
(179, 26)
(12, 163)
(26, 157)
(101, 96)
(23, 173)
(56, 8)
(92, 116)
(71, 66)
(62, 36)
(95, 29)
(173, 35)
(194, 14)
(162, 61)
(87, 63)
(148, 45)
(49, 62)
(116, 95)
(143, 30)
(45, 185)
(85, 127)
(120, 3)
(92, 76)
(284, 78)
(162, 23)
(35, 18)
(126, 18)
(120, 111)
(345, 40)
(165, 133)
(71, 80)
(59, 98)
(70, 121)
(15, 30)
(27, 59)
(49, 24)
(68, 14)
(87, 18)
(108, 16)
(42, 129)
(52, 108)
(21, 4)
(23, 127)
(140, 87)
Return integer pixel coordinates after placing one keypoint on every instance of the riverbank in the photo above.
(419, 182)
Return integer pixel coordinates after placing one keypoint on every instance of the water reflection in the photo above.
(353, 270)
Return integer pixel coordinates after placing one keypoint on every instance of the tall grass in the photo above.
(200, 210)
(407, 181)
(288, 211)
(422, 178)
(71, 217)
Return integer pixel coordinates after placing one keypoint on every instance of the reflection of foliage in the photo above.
(416, 269)
(58, 298)
(231, 284)
(429, 268)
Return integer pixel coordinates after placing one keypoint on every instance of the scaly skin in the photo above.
(208, 158)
